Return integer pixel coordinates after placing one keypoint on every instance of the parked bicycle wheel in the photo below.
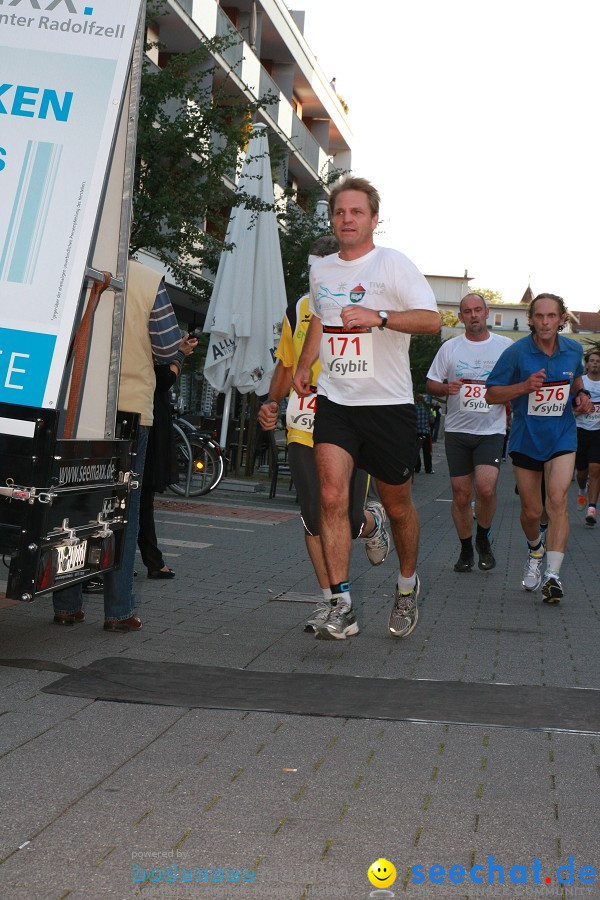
(206, 467)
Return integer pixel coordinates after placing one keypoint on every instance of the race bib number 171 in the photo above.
(348, 355)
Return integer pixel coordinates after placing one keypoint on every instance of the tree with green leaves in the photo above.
(487, 294)
(299, 228)
(423, 348)
(192, 130)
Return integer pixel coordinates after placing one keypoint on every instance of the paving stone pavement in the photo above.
(104, 799)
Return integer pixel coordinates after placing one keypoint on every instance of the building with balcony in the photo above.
(309, 135)
(269, 55)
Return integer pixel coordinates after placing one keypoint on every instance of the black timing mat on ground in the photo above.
(461, 703)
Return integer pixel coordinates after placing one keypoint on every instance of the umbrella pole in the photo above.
(238, 458)
(225, 420)
(251, 440)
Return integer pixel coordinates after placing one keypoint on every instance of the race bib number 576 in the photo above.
(549, 400)
(348, 354)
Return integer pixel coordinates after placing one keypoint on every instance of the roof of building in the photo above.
(527, 296)
(588, 321)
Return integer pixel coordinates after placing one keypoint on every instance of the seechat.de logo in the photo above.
(494, 873)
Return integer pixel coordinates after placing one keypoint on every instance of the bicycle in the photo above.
(199, 459)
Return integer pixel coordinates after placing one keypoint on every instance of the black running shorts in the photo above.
(522, 461)
(382, 440)
(588, 448)
(301, 459)
(465, 451)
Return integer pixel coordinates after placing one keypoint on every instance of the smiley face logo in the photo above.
(381, 873)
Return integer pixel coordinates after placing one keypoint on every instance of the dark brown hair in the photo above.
(562, 307)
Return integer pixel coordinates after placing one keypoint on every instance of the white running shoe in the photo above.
(532, 573)
(319, 617)
(405, 612)
(340, 624)
(377, 546)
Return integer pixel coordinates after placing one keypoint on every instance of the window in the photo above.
(497, 320)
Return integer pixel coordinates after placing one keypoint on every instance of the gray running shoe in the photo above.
(340, 624)
(405, 612)
(319, 616)
(532, 573)
(377, 546)
(552, 589)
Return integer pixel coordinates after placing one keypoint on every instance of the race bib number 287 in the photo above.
(472, 397)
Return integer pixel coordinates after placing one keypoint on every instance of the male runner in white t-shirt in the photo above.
(366, 302)
(474, 432)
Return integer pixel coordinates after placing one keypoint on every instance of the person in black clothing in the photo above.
(436, 410)
(424, 435)
(158, 472)
(161, 465)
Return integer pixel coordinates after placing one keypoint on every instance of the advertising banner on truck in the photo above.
(63, 66)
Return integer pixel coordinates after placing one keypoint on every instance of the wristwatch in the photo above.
(575, 396)
(384, 318)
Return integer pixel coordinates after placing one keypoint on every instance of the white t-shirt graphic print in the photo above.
(381, 279)
(472, 360)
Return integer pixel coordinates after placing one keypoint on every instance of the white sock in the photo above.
(343, 599)
(406, 585)
(327, 595)
(554, 560)
(535, 545)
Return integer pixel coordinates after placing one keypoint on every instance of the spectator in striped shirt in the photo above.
(151, 334)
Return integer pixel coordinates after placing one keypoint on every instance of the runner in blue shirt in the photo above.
(541, 376)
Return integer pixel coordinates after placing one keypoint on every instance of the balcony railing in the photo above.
(187, 6)
(304, 142)
(234, 54)
(266, 85)
(301, 138)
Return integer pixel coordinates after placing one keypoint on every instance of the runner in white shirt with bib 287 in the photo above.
(474, 431)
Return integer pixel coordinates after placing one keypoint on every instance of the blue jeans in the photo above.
(119, 599)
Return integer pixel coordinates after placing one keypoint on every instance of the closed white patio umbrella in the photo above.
(248, 300)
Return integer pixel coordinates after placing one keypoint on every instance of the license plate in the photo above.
(70, 558)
